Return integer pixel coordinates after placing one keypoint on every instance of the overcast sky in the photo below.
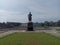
(17, 10)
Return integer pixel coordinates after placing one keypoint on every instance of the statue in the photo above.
(30, 16)
(30, 23)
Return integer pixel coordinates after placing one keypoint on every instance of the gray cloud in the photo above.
(17, 10)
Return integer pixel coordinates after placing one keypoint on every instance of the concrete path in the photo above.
(9, 32)
(52, 32)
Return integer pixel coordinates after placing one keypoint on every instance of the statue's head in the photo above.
(29, 12)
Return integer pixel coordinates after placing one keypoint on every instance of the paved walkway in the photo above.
(8, 32)
(53, 32)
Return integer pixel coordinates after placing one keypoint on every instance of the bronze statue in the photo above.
(30, 16)
(30, 23)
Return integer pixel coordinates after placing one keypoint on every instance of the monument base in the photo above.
(30, 26)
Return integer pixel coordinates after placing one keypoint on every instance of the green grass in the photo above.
(30, 38)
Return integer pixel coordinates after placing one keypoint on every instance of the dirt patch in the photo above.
(1, 32)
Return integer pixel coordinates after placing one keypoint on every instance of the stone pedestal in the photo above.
(30, 26)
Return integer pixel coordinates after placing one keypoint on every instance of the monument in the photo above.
(30, 23)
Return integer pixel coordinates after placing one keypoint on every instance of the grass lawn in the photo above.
(30, 38)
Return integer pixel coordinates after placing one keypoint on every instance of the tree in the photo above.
(46, 23)
(41, 24)
(58, 23)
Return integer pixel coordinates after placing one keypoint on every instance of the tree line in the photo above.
(41, 24)
(9, 24)
(49, 24)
